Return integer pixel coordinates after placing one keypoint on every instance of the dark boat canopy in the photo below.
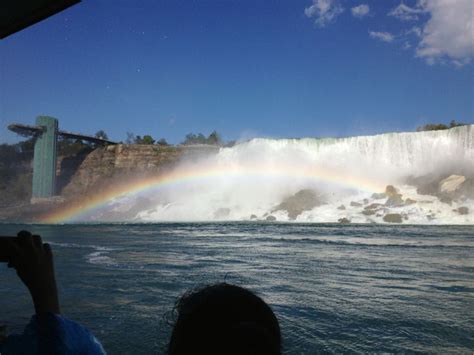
(16, 15)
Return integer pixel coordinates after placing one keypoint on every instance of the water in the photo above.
(354, 288)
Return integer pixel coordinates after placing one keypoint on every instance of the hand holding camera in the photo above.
(33, 261)
(6, 248)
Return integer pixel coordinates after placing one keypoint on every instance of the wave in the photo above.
(100, 258)
(359, 242)
(99, 255)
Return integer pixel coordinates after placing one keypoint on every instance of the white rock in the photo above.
(451, 183)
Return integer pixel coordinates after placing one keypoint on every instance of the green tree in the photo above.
(439, 126)
(162, 141)
(191, 138)
(101, 134)
(453, 123)
(214, 138)
(15, 171)
(147, 140)
(27, 146)
(130, 138)
(432, 127)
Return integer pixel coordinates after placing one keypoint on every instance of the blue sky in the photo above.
(245, 68)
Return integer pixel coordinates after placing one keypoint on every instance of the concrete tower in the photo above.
(44, 165)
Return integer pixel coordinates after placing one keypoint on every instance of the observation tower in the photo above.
(46, 133)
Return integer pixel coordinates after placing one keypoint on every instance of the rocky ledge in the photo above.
(422, 201)
(117, 163)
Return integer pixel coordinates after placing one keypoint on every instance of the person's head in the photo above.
(224, 319)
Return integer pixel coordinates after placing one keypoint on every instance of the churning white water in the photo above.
(251, 179)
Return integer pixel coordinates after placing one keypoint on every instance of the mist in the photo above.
(251, 179)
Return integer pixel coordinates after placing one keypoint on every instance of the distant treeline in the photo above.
(190, 139)
(147, 139)
(213, 139)
(439, 126)
(15, 171)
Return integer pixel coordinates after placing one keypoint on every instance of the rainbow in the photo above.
(81, 208)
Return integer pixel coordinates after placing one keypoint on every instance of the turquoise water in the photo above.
(354, 288)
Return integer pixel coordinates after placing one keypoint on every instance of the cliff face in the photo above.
(87, 172)
(115, 163)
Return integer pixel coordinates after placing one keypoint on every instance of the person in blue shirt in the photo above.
(48, 332)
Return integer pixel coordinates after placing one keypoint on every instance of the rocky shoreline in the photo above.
(388, 206)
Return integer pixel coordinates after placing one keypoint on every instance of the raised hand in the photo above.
(33, 262)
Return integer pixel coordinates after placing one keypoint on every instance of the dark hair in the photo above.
(224, 319)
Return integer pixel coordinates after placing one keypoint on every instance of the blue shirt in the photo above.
(53, 334)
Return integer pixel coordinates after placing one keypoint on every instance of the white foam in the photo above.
(98, 256)
(386, 158)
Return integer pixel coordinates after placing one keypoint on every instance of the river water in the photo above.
(351, 288)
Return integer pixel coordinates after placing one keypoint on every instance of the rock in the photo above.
(430, 188)
(26, 212)
(270, 218)
(393, 218)
(344, 220)
(466, 190)
(303, 200)
(355, 204)
(47, 200)
(222, 213)
(366, 201)
(394, 197)
(446, 199)
(425, 184)
(341, 207)
(391, 191)
(379, 196)
(394, 201)
(456, 187)
(425, 202)
(253, 216)
(115, 164)
(373, 206)
(451, 184)
(462, 210)
(368, 212)
(409, 201)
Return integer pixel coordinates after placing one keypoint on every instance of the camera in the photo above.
(5, 248)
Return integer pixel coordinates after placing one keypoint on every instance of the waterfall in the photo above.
(252, 178)
(393, 154)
